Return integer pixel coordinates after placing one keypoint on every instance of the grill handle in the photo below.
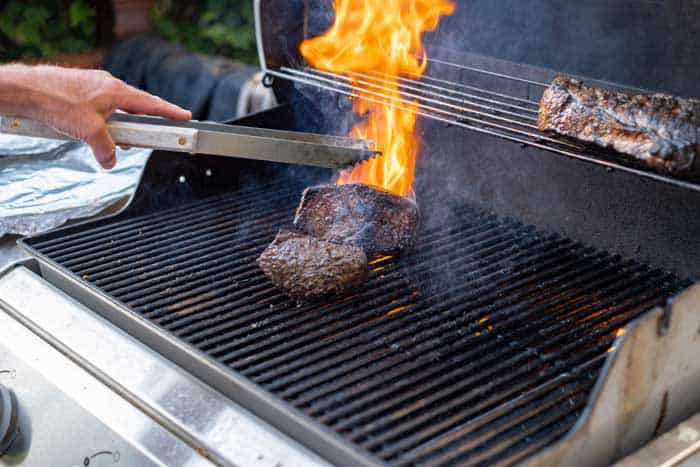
(141, 135)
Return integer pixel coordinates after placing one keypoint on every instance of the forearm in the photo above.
(19, 95)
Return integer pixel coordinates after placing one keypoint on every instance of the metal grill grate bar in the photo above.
(564, 401)
(433, 422)
(128, 249)
(487, 226)
(425, 329)
(488, 72)
(428, 83)
(476, 234)
(568, 409)
(310, 344)
(392, 278)
(167, 264)
(431, 107)
(481, 346)
(159, 220)
(498, 412)
(206, 263)
(437, 373)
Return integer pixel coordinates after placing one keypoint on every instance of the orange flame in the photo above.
(380, 37)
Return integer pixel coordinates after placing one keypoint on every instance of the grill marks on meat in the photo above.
(308, 268)
(335, 228)
(659, 130)
(356, 214)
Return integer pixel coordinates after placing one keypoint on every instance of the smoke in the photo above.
(319, 17)
(323, 111)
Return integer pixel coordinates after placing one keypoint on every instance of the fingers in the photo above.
(135, 101)
(101, 143)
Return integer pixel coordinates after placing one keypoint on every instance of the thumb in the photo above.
(100, 141)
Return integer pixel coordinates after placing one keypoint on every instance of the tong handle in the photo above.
(140, 135)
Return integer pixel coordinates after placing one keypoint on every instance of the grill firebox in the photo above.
(481, 346)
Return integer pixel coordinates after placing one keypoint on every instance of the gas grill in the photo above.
(547, 315)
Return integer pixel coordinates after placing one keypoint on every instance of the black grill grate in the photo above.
(481, 346)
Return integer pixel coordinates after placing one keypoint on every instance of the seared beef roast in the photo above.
(370, 218)
(308, 268)
(660, 130)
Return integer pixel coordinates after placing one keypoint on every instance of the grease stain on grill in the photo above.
(480, 346)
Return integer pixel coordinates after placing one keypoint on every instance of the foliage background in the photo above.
(218, 27)
(44, 28)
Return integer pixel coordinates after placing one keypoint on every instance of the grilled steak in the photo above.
(372, 219)
(660, 130)
(308, 268)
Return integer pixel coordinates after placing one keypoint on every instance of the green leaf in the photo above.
(47, 49)
(80, 13)
(9, 18)
(42, 28)
(168, 29)
(218, 33)
(46, 27)
(208, 17)
(209, 26)
(73, 45)
(37, 14)
(28, 33)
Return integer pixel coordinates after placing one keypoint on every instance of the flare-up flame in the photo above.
(382, 38)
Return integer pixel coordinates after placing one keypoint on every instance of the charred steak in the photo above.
(372, 219)
(308, 268)
(659, 130)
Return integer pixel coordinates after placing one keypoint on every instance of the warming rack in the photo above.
(492, 110)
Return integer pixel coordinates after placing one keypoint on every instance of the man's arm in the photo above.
(77, 102)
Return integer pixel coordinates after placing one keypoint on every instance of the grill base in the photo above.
(481, 346)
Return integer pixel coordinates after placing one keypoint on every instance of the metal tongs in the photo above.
(217, 139)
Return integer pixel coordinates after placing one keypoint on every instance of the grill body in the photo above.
(483, 345)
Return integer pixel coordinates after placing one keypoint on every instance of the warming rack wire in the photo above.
(494, 111)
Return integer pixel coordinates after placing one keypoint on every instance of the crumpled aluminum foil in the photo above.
(44, 183)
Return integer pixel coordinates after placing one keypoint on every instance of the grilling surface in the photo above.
(481, 346)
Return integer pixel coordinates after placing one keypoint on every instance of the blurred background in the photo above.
(198, 54)
(46, 29)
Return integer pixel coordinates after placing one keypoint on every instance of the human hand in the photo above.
(78, 103)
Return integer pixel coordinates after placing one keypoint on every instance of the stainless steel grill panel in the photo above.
(481, 346)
